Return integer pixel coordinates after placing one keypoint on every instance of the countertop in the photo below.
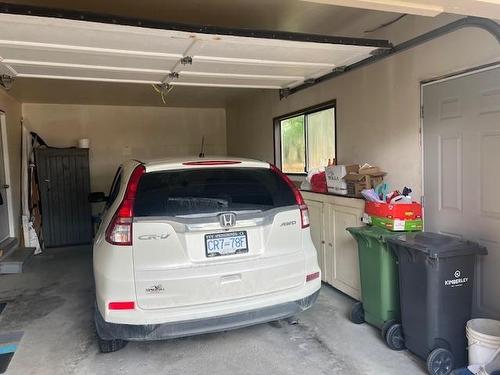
(333, 194)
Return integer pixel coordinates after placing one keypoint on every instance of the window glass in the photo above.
(115, 187)
(307, 141)
(293, 155)
(192, 192)
(320, 138)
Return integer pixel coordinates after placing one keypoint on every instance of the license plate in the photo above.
(226, 243)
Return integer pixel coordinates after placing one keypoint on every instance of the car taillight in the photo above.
(119, 231)
(304, 212)
(125, 305)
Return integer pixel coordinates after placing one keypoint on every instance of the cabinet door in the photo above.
(346, 263)
(64, 178)
(329, 256)
(341, 250)
(317, 232)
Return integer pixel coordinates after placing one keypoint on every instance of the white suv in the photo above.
(190, 246)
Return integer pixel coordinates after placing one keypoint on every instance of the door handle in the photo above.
(6, 186)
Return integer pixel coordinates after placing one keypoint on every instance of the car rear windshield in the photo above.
(210, 190)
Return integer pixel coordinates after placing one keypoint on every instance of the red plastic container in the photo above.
(403, 211)
(318, 183)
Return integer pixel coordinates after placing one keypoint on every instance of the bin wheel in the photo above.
(386, 326)
(394, 337)
(357, 313)
(440, 362)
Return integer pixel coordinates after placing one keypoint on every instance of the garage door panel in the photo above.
(74, 49)
(41, 30)
(242, 81)
(13, 53)
(87, 74)
(258, 68)
(283, 51)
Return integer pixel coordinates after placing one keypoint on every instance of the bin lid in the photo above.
(437, 245)
(378, 233)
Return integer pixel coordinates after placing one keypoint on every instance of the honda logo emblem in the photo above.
(227, 219)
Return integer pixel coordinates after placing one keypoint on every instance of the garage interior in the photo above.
(160, 79)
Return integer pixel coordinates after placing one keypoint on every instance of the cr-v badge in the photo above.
(154, 289)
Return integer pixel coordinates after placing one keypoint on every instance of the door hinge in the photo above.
(422, 200)
(421, 111)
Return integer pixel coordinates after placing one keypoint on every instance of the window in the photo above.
(210, 191)
(305, 139)
(115, 187)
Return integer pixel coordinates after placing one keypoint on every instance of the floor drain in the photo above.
(8, 345)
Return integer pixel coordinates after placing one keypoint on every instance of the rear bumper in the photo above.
(108, 331)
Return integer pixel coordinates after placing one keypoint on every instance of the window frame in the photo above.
(305, 112)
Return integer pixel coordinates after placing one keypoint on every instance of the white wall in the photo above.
(12, 109)
(377, 106)
(119, 133)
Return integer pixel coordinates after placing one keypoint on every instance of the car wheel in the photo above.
(109, 346)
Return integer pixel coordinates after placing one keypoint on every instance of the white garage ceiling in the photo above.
(479, 8)
(52, 48)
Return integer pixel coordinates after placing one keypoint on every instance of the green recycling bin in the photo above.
(379, 284)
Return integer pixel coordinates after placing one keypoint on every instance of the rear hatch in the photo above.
(208, 235)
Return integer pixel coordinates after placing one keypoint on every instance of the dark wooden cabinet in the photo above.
(64, 181)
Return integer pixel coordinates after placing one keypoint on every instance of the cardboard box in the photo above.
(402, 211)
(394, 225)
(357, 182)
(334, 177)
(368, 169)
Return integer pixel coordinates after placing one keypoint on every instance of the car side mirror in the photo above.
(97, 197)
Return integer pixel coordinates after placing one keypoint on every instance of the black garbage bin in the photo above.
(436, 277)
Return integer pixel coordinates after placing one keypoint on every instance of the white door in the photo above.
(461, 141)
(5, 214)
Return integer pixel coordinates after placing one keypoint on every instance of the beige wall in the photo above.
(119, 133)
(377, 106)
(12, 109)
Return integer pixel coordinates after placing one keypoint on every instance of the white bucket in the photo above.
(84, 143)
(484, 340)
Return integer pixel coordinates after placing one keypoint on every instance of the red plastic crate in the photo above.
(403, 211)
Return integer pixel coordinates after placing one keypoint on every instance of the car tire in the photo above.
(110, 346)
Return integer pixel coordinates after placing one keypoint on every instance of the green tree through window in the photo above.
(307, 140)
(293, 145)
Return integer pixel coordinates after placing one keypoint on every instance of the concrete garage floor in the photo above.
(52, 302)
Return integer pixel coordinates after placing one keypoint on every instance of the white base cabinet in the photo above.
(330, 215)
